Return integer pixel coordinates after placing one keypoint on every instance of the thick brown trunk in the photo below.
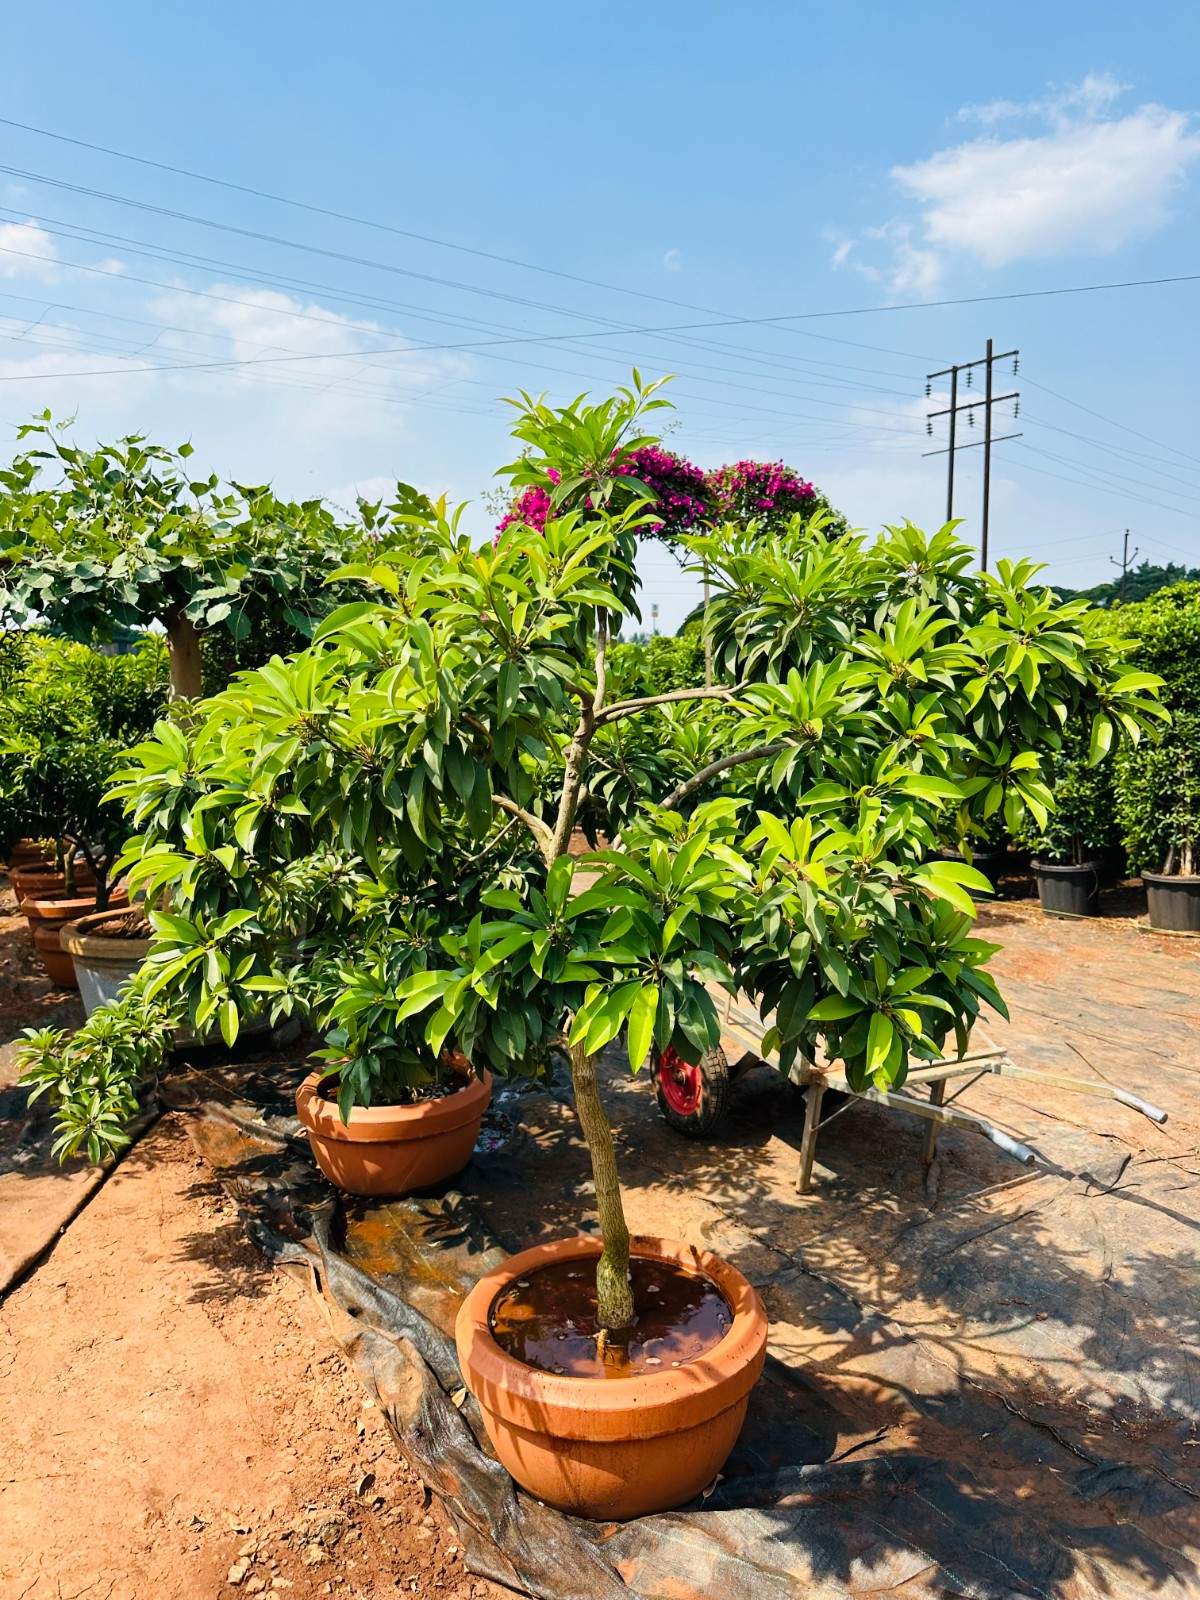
(183, 649)
(614, 1297)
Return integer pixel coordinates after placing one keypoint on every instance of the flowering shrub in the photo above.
(679, 487)
(688, 500)
(761, 491)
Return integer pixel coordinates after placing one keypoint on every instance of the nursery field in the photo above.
(175, 1413)
(419, 1197)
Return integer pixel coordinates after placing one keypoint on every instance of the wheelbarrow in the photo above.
(692, 1098)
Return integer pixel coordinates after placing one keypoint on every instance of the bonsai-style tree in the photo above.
(67, 717)
(125, 535)
(375, 833)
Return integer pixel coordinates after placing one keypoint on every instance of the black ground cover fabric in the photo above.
(893, 1474)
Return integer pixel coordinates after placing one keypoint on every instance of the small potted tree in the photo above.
(377, 833)
(1158, 783)
(1071, 848)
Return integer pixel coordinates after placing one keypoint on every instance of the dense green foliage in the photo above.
(67, 717)
(125, 534)
(373, 834)
(1083, 823)
(1158, 784)
(654, 665)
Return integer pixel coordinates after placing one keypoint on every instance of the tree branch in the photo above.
(539, 829)
(760, 752)
(622, 708)
(577, 750)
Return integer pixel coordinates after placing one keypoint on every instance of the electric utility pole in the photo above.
(971, 406)
(1126, 558)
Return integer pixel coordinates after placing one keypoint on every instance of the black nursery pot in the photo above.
(1174, 902)
(1068, 891)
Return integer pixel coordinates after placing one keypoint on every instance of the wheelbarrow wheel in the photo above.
(691, 1098)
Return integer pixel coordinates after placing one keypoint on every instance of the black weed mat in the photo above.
(901, 1478)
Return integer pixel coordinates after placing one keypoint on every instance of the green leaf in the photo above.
(1101, 739)
(641, 1024)
(880, 1038)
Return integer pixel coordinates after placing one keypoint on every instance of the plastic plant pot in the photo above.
(1069, 890)
(1173, 902)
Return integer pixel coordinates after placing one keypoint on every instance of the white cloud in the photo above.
(27, 251)
(1088, 183)
(1092, 95)
(673, 260)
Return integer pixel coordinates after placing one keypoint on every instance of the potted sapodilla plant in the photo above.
(377, 833)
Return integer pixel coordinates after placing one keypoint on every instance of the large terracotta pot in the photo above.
(393, 1150)
(102, 964)
(46, 920)
(59, 967)
(29, 853)
(614, 1447)
(42, 882)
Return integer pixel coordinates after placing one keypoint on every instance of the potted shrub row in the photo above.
(375, 834)
(1158, 783)
(67, 714)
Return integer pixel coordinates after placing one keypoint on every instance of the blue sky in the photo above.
(698, 164)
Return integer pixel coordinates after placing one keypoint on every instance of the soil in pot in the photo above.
(1068, 890)
(1173, 901)
(622, 1443)
(394, 1150)
(548, 1320)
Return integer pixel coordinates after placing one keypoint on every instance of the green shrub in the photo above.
(1083, 823)
(67, 719)
(1158, 783)
(658, 664)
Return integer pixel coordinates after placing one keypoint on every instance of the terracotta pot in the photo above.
(60, 969)
(614, 1447)
(393, 1150)
(30, 853)
(102, 964)
(47, 918)
(42, 882)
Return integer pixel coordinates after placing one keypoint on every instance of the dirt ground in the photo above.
(175, 1422)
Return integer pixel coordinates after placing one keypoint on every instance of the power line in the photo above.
(291, 284)
(1149, 438)
(1134, 457)
(1116, 481)
(385, 227)
(1080, 483)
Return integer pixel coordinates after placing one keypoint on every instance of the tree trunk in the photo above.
(183, 648)
(614, 1297)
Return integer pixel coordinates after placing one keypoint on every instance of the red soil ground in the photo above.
(174, 1421)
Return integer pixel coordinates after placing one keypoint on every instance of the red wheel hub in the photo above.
(682, 1083)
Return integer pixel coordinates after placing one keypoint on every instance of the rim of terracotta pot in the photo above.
(386, 1124)
(77, 939)
(638, 1407)
(45, 908)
